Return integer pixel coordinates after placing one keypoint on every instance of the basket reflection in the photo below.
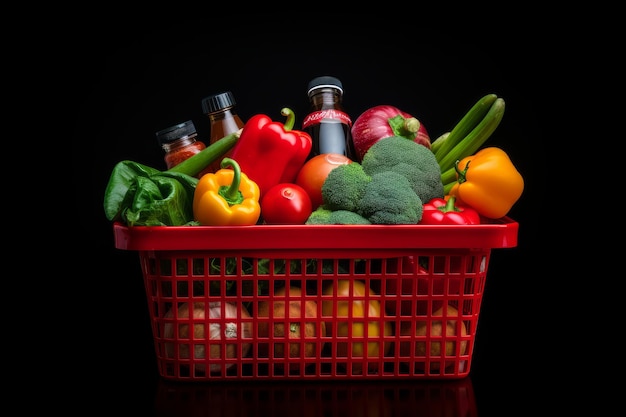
(328, 398)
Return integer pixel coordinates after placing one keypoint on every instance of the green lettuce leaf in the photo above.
(138, 195)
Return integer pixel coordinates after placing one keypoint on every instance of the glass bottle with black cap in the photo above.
(223, 119)
(327, 122)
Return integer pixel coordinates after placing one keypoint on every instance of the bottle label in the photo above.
(316, 117)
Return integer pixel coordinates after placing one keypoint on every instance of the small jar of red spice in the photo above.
(179, 143)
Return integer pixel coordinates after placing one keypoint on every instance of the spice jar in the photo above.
(180, 143)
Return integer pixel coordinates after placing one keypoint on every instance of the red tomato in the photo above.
(286, 203)
(314, 172)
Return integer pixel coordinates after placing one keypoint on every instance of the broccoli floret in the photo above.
(347, 217)
(322, 215)
(319, 216)
(413, 161)
(354, 196)
(389, 199)
(344, 187)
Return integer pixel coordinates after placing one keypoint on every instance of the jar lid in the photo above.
(218, 102)
(175, 132)
(325, 81)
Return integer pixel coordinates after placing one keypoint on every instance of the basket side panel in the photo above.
(393, 314)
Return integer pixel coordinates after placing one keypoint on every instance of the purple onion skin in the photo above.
(376, 122)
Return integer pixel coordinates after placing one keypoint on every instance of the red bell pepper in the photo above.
(269, 152)
(440, 211)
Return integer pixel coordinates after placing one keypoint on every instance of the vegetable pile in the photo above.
(388, 187)
(292, 311)
(400, 177)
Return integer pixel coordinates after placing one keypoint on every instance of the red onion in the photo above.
(383, 121)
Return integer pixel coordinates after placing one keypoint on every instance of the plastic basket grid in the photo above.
(420, 291)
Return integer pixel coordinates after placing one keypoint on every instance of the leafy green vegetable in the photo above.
(138, 195)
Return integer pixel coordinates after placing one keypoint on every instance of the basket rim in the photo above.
(500, 233)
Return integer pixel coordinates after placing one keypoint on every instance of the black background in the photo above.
(131, 84)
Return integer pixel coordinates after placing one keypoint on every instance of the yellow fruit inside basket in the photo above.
(350, 317)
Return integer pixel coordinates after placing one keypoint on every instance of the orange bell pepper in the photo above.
(226, 197)
(488, 182)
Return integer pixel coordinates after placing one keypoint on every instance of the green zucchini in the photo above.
(474, 139)
(436, 144)
(471, 119)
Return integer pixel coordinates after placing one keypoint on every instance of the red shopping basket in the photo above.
(315, 302)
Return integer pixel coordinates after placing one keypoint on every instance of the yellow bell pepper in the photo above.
(489, 182)
(226, 198)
